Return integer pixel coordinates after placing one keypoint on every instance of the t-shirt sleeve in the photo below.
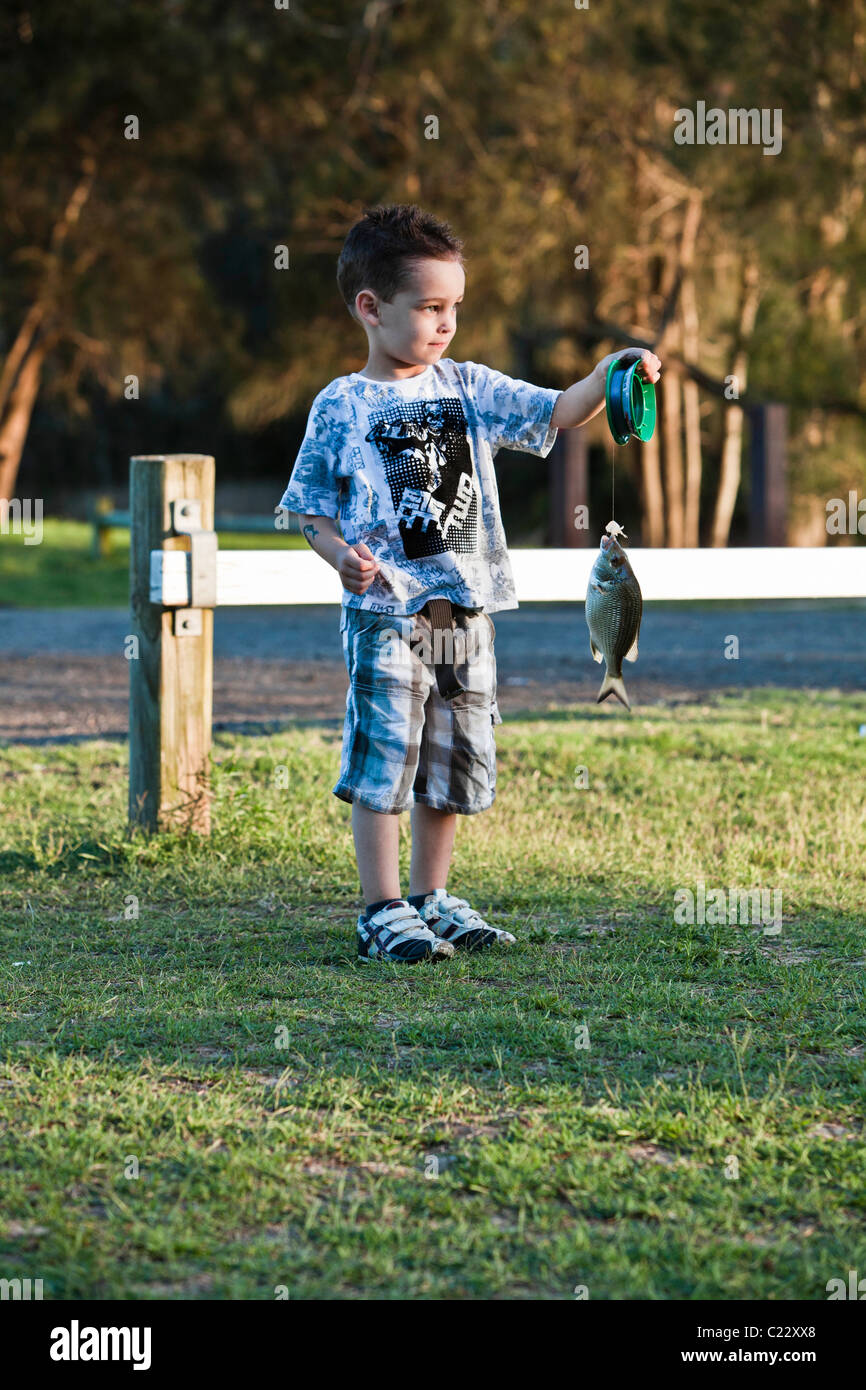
(315, 485)
(514, 414)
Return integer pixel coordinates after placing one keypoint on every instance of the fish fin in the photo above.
(596, 654)
(631, 654)
(613, 685)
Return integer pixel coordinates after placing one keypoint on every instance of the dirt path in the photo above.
(64, 675)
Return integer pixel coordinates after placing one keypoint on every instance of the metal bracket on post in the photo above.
(186, 521)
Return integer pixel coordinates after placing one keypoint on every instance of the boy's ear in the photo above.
(355, 309)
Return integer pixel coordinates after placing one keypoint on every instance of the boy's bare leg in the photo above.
(432, 844)
(377, 849)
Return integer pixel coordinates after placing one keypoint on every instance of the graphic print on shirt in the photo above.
(424, 448)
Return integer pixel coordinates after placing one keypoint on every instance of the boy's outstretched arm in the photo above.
(586, 397)
(354, 563)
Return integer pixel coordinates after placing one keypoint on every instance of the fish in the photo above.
(613, 612)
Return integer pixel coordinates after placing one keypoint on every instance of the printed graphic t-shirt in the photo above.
(407, 467)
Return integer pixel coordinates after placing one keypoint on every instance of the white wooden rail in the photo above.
(254, 577)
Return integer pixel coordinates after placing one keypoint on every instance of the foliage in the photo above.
(262, 126)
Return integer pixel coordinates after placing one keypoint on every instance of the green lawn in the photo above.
(353, 1131)
(62, 571)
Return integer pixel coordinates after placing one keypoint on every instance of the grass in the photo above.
(192, 1011)
(62, 571)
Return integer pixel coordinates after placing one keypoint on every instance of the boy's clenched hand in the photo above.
(357, 568)
(580, 402)
(355, 564)
(649, 368)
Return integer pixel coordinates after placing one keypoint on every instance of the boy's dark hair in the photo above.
(380, 248)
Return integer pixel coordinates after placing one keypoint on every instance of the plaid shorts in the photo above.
(401, 739)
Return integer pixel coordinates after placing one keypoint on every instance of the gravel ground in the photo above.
(64, 675)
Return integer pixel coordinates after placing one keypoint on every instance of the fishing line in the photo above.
(612, 482)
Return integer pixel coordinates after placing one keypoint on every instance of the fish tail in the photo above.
(613, 685)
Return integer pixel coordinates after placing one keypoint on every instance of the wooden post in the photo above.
(171, 678)
(101, 534)
(768, 517)
(569, 488)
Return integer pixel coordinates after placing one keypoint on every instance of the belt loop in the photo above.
(442, 619)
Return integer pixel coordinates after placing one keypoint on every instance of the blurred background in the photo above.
(176, 182)
(156, 155)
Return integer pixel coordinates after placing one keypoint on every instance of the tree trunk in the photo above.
(21, 376)
(691, 354)
(678, 326)
(671, 385)
(694, 463)
(16, 420)
(729, 476)
(652, 497)
(732, 445)
(19, 350)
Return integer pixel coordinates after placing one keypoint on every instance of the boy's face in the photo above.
(416, 327)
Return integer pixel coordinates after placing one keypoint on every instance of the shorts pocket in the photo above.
(475, 663)
(382, 657)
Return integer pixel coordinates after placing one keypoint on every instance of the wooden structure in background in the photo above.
(768, 505)
(171, 673)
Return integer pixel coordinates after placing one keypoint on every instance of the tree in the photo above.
(532, 130)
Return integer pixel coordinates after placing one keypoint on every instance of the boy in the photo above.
(403, 453)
